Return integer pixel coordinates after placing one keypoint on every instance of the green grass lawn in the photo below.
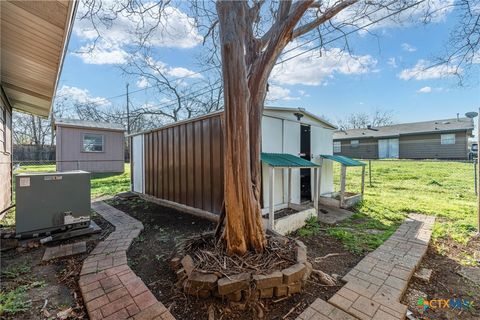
(441, 188)
(103, 184)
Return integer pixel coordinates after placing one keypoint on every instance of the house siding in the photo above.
(70, 156)
(366, 149)
(5, 153)
(419, 146)
(428, 146)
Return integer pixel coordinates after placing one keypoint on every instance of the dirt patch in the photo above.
(43, 289)
(165, 228)
(445, 282)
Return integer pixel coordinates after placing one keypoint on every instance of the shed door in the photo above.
(137, 163)
(387, 148)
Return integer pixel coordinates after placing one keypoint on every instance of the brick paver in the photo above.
(110, 289)
(376, 284)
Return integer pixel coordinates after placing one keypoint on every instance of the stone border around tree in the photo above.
(377, 283)
(110, 289)
(242, 286)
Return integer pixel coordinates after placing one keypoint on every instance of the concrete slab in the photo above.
(64, 250)
(471, 273)
(332, 215)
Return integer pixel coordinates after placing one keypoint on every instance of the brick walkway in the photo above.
(110, 289)
(376, 284)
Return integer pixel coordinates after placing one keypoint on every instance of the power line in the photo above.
(332, 31)
(348, 33)
(147, 87)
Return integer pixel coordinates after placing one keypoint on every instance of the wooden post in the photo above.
(370, 171)
(363, 180)
(289, 192)
(271, 203)
(475, 175)
(343, 174)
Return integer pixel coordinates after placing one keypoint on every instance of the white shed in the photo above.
(298, 132)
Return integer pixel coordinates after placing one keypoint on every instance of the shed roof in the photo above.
(305, 112)
(76, 123)
(286, 160)
(346, 161)
(433, 126)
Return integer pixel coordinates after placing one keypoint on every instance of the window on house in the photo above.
(447, 138)
(337, 146)
(354, 143)
(93, 142)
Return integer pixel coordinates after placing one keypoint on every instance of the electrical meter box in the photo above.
(47, 202)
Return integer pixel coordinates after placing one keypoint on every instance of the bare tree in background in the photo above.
(251, 36)
(360, 120)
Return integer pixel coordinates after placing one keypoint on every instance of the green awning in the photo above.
(286, 160)
(346, 161)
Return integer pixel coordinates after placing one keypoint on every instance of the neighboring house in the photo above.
(89, 146)
(183, 162)
(436, 139)
(34, 39)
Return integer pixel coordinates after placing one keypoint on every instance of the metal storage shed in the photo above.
(181, 164)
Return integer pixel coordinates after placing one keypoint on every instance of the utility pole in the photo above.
(128, 112)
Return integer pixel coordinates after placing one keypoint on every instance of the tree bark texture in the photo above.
(247, 62)
(243, 223)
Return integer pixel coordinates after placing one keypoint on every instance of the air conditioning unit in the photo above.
(47, 202)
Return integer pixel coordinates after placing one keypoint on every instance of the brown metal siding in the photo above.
(367, 149)
(428, 146)
(184, 163)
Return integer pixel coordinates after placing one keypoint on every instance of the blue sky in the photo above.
(384, 72)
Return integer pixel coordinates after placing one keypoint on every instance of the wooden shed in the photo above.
(181, 164)
(89, 146)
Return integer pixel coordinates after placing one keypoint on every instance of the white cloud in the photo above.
(314, 69)
(408, 47)
(142, 82)
(172, 29)
(279, 93)
(81, 96)
(102, 53)
(179, 72)
(392, 62)
(432, 11)
(424, 70)
(425, 90)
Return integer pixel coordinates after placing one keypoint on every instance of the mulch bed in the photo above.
(445, 282)
(166, 228)
(57, 279)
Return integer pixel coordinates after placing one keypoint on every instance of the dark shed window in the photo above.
(93, 142)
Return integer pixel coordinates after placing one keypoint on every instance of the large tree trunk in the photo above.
(243, 225)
